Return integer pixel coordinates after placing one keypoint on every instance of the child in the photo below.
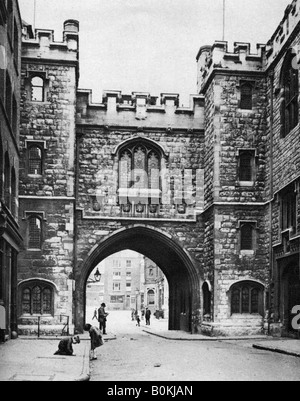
(65, 346)
(138, 320)
(96, 339)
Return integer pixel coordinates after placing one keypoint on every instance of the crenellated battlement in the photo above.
(217, 56)
(140, 108)
(281, 36)
(41, 43)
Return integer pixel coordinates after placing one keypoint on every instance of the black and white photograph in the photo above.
(149, 193)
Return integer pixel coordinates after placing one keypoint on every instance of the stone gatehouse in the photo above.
(208, 192)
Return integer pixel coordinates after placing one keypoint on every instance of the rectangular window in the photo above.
(8, 97)
(289, 208)
(35, 160)
(246, 166)
(15, 120)
(246, 96)
(116, 286)
(1, 268)
(35, 233)
(128, 276)
(3, 13)
(116, 299)
(117, 275)
(10, 20)
(128, 263)
(247, 237)
(128, 286)
(16, 44)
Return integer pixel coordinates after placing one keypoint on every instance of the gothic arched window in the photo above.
(139, 171)
(289, 96)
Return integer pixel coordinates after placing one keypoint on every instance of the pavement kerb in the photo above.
(193, 338)
(277, 350)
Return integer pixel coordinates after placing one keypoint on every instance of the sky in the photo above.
(151, 45)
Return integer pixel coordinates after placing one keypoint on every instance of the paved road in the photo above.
(137, 356)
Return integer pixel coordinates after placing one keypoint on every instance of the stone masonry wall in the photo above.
(52, 121)
(98, 166)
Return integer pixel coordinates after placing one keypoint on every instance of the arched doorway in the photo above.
(169, 256)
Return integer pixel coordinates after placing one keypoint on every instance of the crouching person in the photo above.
(96, 339)
(65, 346)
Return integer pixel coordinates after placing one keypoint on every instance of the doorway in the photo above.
(167, 254)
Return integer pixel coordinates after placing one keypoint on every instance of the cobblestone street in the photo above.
(139, 356)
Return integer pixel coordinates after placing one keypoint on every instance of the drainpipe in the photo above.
(271, 166)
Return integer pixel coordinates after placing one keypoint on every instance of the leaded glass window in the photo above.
(26, 301)
(139, 167)
(247, 298)
(37, 299)
(34, 232)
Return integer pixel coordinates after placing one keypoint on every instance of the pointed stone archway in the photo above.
(162, 249)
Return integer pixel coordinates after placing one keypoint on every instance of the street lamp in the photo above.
(97, 276)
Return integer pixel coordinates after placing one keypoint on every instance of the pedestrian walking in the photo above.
(96, 340)
(138, 320)
(102, 317)
(147, 316)
(65, 346)
(95, 314)
(132, 314)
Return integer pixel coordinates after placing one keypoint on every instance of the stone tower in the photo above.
(50, 73)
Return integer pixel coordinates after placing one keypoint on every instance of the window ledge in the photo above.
(35, 176)
(247, 252)
(245, 183)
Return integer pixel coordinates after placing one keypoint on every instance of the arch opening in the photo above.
(127, 283)
(166, 253)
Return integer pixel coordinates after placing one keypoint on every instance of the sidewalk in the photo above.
(281, 346)
(32, 359)
(284, 346)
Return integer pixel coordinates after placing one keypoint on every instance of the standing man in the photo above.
(102, 315)
(147, 316)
